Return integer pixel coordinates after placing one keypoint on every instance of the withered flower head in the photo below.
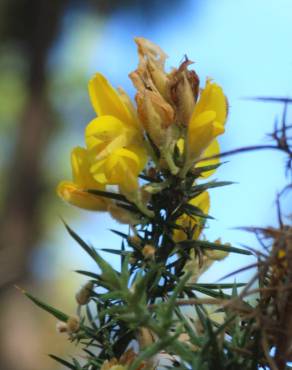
(150, 73)
(154, 110)
(179, 88)
(184, 89)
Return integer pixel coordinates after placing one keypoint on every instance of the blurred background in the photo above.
(49, 50)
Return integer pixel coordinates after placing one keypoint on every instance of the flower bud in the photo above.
(84, 294)
(73, 324)
(148, 251)
(134, 241)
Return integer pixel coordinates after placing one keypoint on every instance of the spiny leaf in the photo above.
(116, 251)
(217, 286)
(213, 246)
(209, 185)
(131, 208)
(211, 292)
(171, 303)
(109, 274)
(195, 211)
(63, 362)
(91, 251)
(117, 232)
(53, 311)
(200, 169)
(88, 273)
(108, 194)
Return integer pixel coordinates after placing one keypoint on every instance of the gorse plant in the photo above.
(148, 166)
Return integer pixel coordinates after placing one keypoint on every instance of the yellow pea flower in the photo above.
(105, 134)
(206, 122)
(202, 201)
(114, 139)
(74, 192)
(121, 167)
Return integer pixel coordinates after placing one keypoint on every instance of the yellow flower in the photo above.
(114, 139)
(206, 122)
(202, 201)
(74, 192)
(121, 167)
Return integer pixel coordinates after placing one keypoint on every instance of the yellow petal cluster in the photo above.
(115, 153)
(114, 139)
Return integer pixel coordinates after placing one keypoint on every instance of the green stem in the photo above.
(167, 155)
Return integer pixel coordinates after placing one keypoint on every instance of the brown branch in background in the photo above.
(33, 26)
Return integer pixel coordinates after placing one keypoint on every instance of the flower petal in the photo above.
(202, 130)
(81, 169)
(212, 149)
(105, 134)
(106, 101)
(102, 130)
(202, 201)
(212, 98)
(75, 195)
